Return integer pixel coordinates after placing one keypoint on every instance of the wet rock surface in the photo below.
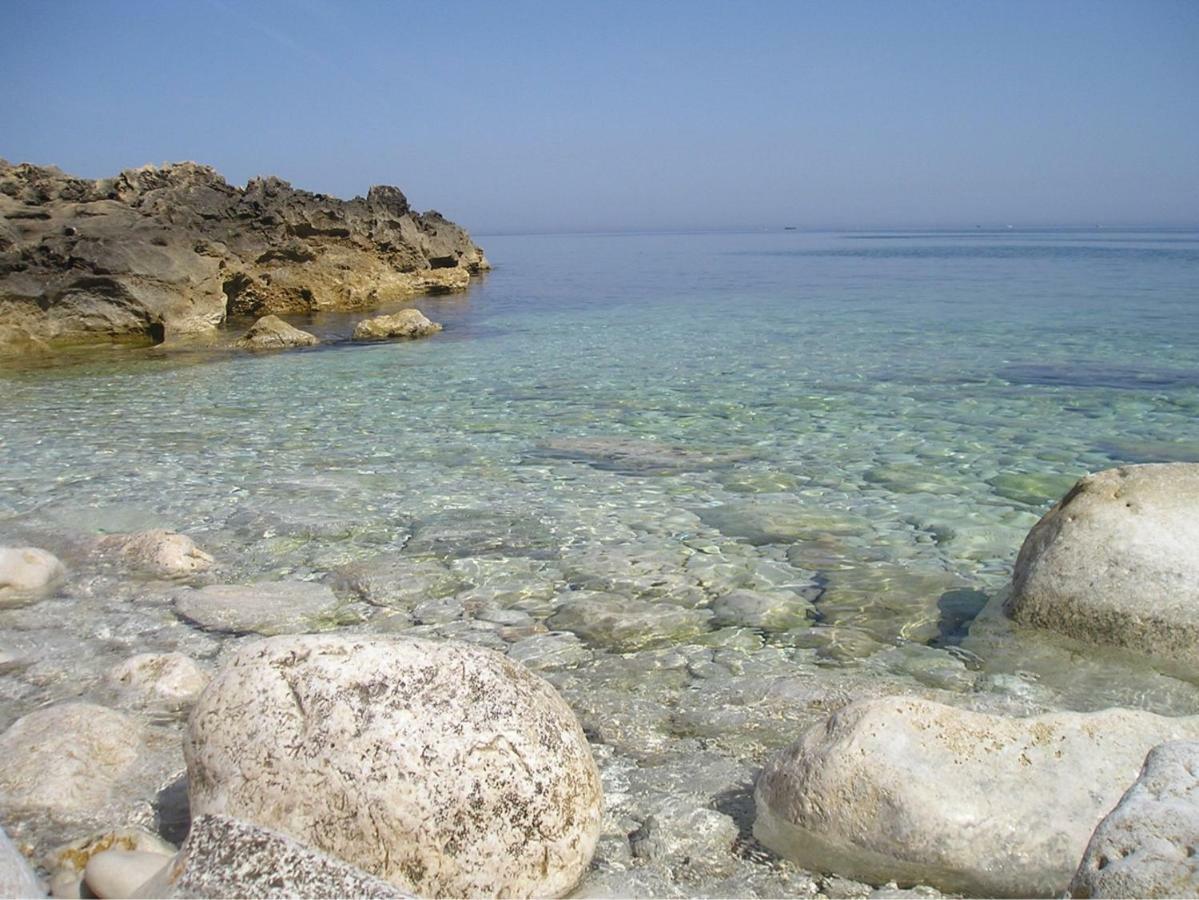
(406, 324)
(266, 607)
(272, 333)
(158, 254)
(27, 574)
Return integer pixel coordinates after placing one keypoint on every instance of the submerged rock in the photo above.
(272, 333)
(626, 623)
(441, 767)
(1145, 847)
(396, 581)
(265, 607)
(64, 760)
(1117, 562)
(407, 323)
(225, 857)
(166, 554)
(158, 253)
(152, 678)
(28, 574)
(907, 789)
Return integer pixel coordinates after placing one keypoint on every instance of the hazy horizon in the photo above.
(541, 118)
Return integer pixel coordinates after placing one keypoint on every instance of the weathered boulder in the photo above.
(158, 253)
(441, 767)
(1116, 562)
(265, 607)
(28, 574)
(906, 789)
(17, 878)
(224, 857)
(165, 554)
(64, 760)
(159, 678)
(405, 324)
(272, 333)
(1145, 847)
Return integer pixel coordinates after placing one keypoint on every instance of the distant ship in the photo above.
(789, 228)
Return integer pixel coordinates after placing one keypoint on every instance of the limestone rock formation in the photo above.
(903, 788)
(407, 323)
(443, 768)
(1145, 847)
(272, 333)
(159, 253)
(1116, 562)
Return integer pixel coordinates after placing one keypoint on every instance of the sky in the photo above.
(567, 115)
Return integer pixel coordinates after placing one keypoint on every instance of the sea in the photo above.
(709, 484)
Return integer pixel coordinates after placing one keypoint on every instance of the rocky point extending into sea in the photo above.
(167, 255)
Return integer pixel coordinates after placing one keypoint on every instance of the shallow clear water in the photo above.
(869, 423)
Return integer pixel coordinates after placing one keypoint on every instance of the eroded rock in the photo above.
(441, 767)
(166, 554)
(272, 333)
(405, 324)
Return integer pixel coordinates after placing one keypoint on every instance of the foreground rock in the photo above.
(224, 857)
(266, 607)
(907, 789)
(272, 333)
(28, 574)
(158, 253)
(1117, 562)
(165, 554)
(64, 760)
(1145, 847)
(17, 878)
(441, 767)
(406, 324)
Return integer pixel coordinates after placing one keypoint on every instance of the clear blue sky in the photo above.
(513, 116)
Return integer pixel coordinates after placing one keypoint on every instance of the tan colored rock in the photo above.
(166, 554)
(405, 324)
(159, 678)
(272, 333)
(64, 760)
(909, 790)
(1116, 562)
(28, 574)
(441, 767)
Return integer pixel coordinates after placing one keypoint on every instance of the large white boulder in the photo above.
(64, 760)
(1145, 847)
(1116, 562)
(904, 789)
(442, 767)
(28, 574)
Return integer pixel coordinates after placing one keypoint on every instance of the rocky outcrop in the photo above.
(272, 333)
(441, 767)
(1116, 562)
(906, 789)
(159, 253)
(407, 323)
(1145, 847)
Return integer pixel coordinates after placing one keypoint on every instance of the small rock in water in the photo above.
(442, 767)
(265, 607)
(17, 878)
(63, 760)
(395, 581)
(405, 324)
(225, 857)
(626, 623)
(773, 611)
(148, 678)
(67, 863)
(680, 831)
(900, 788)
(119, 873)
(272, 333)
(1145, 847)
(1116, 562)
(166, 554)
(28, 574)
(555, 650)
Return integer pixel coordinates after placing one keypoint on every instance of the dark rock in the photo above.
(159, 253)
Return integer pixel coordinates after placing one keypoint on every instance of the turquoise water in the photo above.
(710, 485)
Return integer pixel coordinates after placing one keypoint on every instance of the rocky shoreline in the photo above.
(166, 255)
(395, 764)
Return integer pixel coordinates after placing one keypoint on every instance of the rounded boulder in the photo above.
(442, 767)
(1116, 562)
